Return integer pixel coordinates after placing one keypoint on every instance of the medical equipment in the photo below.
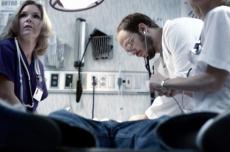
(94, 83)
(80, 39)
(37, 71)
(152, 95)
(197, 48)
(79, 64)
(194, 53)
(101, 45)
(80, 48)
(147, 59)
(147, 66)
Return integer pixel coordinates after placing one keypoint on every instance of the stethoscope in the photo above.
(147, 66)
(197, 48)
(37, 71)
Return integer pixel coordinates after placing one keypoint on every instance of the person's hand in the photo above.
(138, 117)
(167, 92)
(155, 86)
(155, 83)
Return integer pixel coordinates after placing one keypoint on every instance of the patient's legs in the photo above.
(112, 134)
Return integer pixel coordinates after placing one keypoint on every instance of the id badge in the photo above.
(38, 94)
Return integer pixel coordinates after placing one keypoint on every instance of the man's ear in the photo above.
(142, 28)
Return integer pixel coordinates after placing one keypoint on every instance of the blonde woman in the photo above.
(21, 72)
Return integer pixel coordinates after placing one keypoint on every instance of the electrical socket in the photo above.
(68, 81)
(128, 81)
(54, 80)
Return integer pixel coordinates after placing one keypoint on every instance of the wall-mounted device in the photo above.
(54, 80)
(80, 38)
(80, 48)
(101, 45)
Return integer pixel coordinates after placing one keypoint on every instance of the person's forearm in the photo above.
(7, 91)
(11, 99)
(203, 82)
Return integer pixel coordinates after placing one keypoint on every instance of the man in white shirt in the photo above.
(141, 36)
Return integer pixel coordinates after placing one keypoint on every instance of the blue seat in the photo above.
(29, 132)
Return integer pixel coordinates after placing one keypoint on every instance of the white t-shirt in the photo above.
(215, 40)
(178, 38)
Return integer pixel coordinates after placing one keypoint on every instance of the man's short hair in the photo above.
(130, 23)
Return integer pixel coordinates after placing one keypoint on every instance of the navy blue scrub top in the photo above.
(9, 68)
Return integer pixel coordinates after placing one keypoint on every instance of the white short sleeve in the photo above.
(216, 39)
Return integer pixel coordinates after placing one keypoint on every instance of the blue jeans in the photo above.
(112, 134)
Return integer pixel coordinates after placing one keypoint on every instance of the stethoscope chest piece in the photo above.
(197, 48)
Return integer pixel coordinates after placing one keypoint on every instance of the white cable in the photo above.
(181, 109)
(20, 75)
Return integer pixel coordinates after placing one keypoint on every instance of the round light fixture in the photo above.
(74, 5)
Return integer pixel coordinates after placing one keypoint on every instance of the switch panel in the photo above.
(68, 81)
(106, 82)
(54, 80)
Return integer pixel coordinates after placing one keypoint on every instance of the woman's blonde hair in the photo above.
(198, 12)
(46, 30)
